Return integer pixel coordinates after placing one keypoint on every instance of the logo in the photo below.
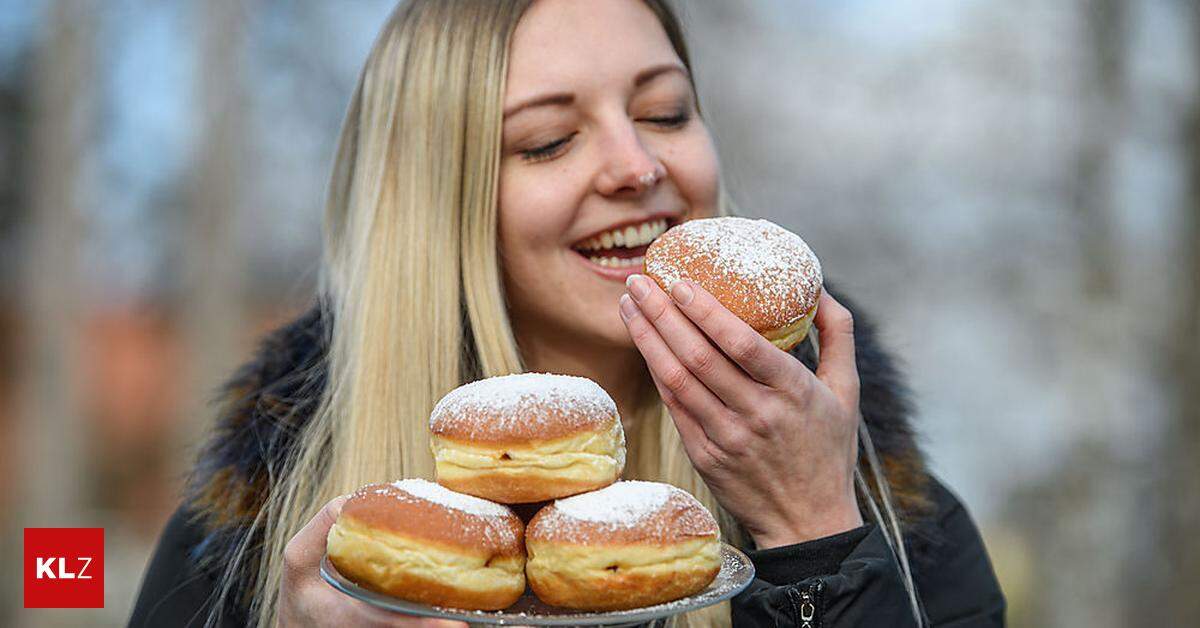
(64, 567)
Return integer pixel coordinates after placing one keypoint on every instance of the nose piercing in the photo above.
(648, 179)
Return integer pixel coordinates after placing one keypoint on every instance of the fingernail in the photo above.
(637, 286)
(681, 292)
(628, 308)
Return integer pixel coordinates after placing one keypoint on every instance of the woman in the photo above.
(486, 140)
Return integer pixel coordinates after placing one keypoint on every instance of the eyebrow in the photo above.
(566, 98)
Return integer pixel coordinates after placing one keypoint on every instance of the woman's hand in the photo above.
(306, 600)
(776, 443)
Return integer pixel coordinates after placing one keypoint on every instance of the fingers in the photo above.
(756, 355)
(730, 383)
(675, 381)
(837, 368)
(690, 432)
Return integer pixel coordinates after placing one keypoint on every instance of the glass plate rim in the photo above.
(629, 617)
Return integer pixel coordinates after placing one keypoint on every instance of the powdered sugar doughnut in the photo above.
(422, 542)
(766, 275)
(527, 438)
(628, 545)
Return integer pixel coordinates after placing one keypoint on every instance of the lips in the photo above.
(627, 236)
(618, 252)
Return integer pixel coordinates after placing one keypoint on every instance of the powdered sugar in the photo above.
(625, 512)
(438, 494)
(770, 267)
(518, 403)
(620, 503)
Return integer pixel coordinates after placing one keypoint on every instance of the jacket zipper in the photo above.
(805, 600)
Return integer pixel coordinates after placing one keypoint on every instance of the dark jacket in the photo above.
(849, 579)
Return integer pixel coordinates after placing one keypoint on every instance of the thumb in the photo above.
(325, 518)
(305, 550)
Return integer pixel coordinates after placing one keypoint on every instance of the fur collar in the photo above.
(265, 405)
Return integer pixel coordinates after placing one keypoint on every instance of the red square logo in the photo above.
(64, 567)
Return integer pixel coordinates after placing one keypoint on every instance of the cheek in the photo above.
(536, 209)
(696, 170)
(529, 213)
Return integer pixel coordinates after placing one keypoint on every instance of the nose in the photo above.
(628, 167)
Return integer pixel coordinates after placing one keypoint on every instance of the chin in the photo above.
(613, 334)
(623, 341)
(606, 331)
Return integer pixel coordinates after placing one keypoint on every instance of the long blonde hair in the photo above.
(412, 275)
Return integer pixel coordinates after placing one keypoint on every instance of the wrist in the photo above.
(811, 527)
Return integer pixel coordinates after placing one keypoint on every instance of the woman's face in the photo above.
(602, 151)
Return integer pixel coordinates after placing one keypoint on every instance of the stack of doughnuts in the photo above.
(766, 275)
(519, 439)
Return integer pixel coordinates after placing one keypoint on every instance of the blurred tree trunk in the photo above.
(1104, 105)
(212, 304)
(1179, 490)
(1080, 507)
(55, 430)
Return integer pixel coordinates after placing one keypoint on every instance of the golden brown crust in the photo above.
(387, 508)
(507, 489)
(681, 518)
(539, 426)
(514, 409)
(618, 589)
(774, 284)
(413, 588)
(415, 569)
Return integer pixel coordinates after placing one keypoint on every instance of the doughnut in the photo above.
(527, 438)
(629, 545)
(766, 275)
(421, 542)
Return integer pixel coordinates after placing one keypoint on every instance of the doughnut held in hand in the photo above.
(527, 438)
(629, 545)
(766, 275)
(424, 543)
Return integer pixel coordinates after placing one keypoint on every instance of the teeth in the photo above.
(617, 262)
(628, 237)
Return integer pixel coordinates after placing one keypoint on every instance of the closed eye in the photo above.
(547, 151)
(670, 122)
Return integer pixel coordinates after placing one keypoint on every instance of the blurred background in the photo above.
(1012, 188)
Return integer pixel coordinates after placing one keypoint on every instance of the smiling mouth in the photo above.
(622, 247)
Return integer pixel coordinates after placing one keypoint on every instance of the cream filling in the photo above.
(582, 455)
(788, 336)
(388, 555)
(585, 562)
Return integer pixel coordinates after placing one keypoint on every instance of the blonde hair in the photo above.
(413, 278)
